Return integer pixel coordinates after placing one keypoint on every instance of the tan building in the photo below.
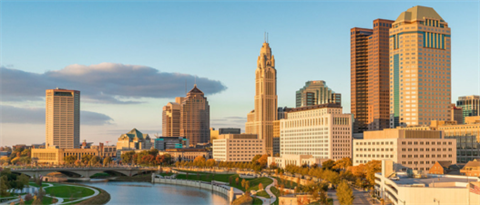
(415, 149)
(237, 147)
(213, 133)
(420, 68)
(472, 168)
(62, 118)
(195, 117)
(187, 154)
(322, 131)
(105, 150)
(428, 190)
(55, 156)
(260, 120)
(296, 160)
(171, 120)
(133, 140)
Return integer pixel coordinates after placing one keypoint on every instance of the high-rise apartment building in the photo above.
(237, 147)
(322, 131)
(456, 114)
(171, 120)
(260, 120)
(359, 77)
(316, 93)
(369, 76)
(62, 118)
(195, 117)
(470, 105)
(420, 68)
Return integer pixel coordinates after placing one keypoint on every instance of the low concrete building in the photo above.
(133, 140)
(297, 160)
(55, 156)
(472, 168)
(415, 149)
(186, 154)
(237, 147)
(105, 150)
(163, 143)
(430, 190)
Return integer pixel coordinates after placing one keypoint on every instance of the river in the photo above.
(147, 193)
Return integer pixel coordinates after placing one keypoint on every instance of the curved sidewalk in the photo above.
(272, 198)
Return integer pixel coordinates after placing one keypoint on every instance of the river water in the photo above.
(147, 193)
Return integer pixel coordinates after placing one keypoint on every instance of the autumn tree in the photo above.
(328, 164)
(344, 193)
(70, 159)
(343, 163)
(199, 161)
(107, 161)
(260, 186)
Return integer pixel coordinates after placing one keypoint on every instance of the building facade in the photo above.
(322, 131)
(237, 147)
(359, 77)
(163, 143)
(456, 114)
(195, 117)
(296, 160)
(55, 156)
(62, 118)
(470, 105)
(414, 149)
(316, 93)
(223, 131)
(260, 120)
(105, 150)
(186, 154)
(133, 140)
(171, 119)
(420, 68)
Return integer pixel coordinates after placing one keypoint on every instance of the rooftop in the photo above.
(417, 13)
(435, 180)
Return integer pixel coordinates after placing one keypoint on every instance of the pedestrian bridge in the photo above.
(83, 171)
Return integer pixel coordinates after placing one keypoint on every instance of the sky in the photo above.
(129, 59)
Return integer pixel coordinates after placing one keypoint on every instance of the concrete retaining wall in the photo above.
(228, 192)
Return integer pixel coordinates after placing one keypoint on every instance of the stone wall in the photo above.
(227, 192)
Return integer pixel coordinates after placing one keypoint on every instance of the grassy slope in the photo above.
(276, 192)
(257, 201)
(263, 194)
(69, 191)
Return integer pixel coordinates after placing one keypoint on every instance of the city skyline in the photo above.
(225, 90)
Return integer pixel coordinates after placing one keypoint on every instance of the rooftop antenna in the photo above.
(264, 39)
(267, 37)
(195, 80)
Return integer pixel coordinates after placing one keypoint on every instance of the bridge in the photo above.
(83, 171)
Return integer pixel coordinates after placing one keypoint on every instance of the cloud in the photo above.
(233, 121)
(11, 114)
(102, 83)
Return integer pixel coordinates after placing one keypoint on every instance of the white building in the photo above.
(322, 131)
(427, 190)
(415, 149)
(297, 160)
(237, 147)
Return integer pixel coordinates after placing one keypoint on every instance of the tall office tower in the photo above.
(62, 118)
(420, 85)
(359, 77)
(195, 117)
(260, 120)
(316, 93)
(378, 76)
(470, 105)
(171, 120)
(369, 76)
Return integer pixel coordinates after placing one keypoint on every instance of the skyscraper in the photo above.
(316, 93)
(171, 120)
(62, 118)
(260, 120)
(359, 77)
(370, 75)
(470, 105)
(420, 85)
(195, 117)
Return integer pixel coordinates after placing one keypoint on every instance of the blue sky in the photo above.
(218, 42)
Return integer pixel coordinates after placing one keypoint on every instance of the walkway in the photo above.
(272, 198)
(59, 199)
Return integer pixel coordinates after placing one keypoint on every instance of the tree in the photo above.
(127, 157)
(260, 186)
(344, 193)
(70, 159)
(199, 161)
(94, 160)
(21, 182)
(236, 181)
(3, 186)
(210, 163)
(243, 183)
(328, 164)
(323, 198)
(373, 167)
(343, 163)
(86, 158)
(107, 161)
(247, 185)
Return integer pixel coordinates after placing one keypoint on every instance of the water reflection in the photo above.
(146, 193)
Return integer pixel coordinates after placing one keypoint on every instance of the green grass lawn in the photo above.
(257, 201)
(263, 194)
(286, 183)
(32, 184)
(276, 192)
(46, 200)
(69, 191)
